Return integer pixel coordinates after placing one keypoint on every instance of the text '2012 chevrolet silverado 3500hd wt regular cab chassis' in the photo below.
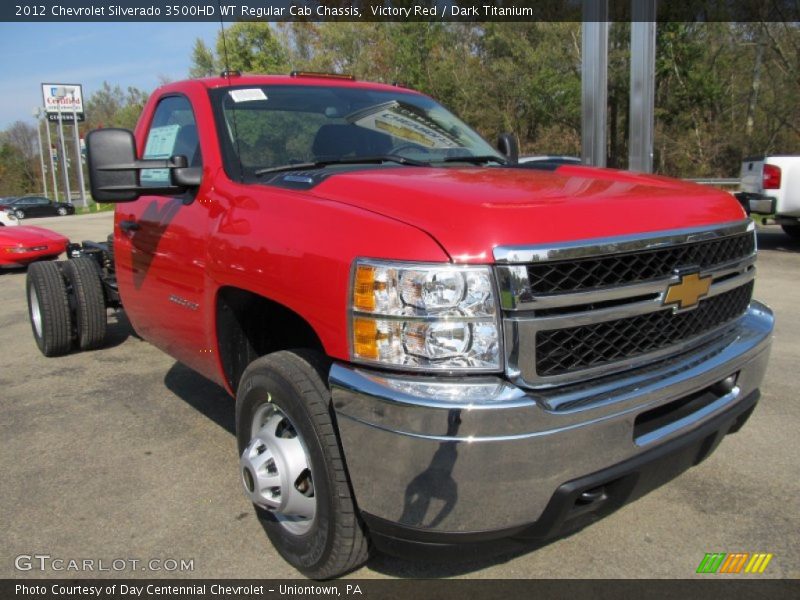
(428, 346)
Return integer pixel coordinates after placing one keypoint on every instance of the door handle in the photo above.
(129, 226)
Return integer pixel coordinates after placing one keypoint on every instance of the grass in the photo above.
(93, 207)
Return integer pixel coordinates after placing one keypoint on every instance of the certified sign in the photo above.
(61, 99)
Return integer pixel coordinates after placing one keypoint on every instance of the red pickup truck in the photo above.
(430, 346)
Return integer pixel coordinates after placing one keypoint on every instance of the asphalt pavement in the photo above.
(124, 454)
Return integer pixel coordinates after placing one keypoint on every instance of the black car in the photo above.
(38, 206)
(6, 201)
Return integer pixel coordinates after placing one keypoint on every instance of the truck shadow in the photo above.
(213, 402)
(451, 563)
(118, 330)
(202, 394)
(773, 238)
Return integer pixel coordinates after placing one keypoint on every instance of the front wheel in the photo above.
(20, 214)
(291, 464)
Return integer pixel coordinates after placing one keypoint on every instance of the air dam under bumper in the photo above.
(443, 460)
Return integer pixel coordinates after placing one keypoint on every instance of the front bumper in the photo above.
(439, 460)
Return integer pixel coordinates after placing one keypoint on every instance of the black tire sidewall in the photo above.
(39, 339)
(45, 279)
(309, 550)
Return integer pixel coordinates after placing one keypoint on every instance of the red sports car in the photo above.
(22, 245)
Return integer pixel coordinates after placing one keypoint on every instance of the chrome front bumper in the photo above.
(477, 454)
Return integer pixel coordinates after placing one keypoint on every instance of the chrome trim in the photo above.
(520, 445)
(514, 278)
(699, 415)
(594, 247)
(633, 290)
(524, 311)
(589, 317)
(521, 333)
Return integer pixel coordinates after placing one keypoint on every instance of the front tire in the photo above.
(20, 214)
(292, 465)
(83, 275)
(48, 308)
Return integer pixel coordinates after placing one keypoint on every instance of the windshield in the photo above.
(266, 128)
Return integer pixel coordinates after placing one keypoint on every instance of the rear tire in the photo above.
(793, 231)
(61, 211)
(83, 275)
(291, 384)
(48, 308)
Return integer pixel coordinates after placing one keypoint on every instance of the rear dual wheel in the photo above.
(66, 304)
(83, 276)
(48, 308)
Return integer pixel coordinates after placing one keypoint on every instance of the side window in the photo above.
(173, 132)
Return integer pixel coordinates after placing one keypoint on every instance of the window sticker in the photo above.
(160, 144)
(247, 95)
(400, 122)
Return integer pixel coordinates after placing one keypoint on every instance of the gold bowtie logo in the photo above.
(688, 291)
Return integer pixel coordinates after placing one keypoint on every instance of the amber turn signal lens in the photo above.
(365, 338)
(364, 289)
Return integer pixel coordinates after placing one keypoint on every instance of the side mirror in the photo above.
(115, 172)
(508, 147)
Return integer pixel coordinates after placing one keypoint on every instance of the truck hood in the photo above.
(470, 211)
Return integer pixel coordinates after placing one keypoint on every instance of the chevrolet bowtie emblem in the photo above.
(688, 291)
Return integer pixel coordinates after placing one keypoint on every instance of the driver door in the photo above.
(160, 244)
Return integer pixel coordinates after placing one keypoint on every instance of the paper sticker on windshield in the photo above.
(247, 95)
(401, 122)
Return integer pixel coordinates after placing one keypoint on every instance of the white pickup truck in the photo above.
(771, 188)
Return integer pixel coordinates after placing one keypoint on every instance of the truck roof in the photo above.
(309, 79)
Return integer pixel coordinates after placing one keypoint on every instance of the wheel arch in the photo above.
(249, 325)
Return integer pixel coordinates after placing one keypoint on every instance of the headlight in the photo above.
(416, 316)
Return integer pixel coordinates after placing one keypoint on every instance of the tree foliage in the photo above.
(20, 170)
(723, 90)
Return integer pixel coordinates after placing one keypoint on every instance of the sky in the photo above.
(122, 54)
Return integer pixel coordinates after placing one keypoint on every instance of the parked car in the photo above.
(6, 201)
(20, 246)
(7, 219)
(771, 188)
(39, 206)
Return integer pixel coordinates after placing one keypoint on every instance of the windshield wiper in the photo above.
(356, 160)
(475, 160)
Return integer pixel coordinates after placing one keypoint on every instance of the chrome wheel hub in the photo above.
(276, 471)
(36, 312)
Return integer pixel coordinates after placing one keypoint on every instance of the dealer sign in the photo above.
(63, 98)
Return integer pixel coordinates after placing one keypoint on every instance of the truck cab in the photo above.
(429, 346)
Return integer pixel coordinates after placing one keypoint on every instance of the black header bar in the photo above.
(386, 10)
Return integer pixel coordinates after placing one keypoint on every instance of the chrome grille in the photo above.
(594, 307)
(560, 351)
(569, 276)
